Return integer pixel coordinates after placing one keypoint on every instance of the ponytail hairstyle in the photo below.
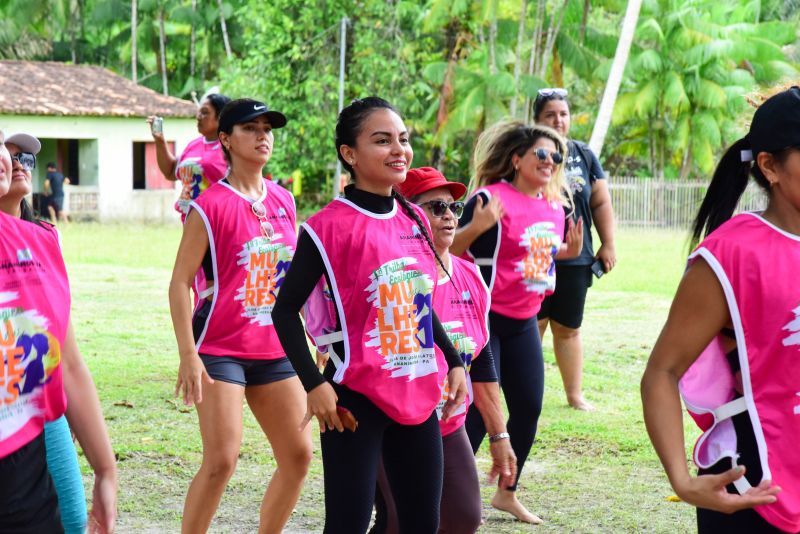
(775, 129)
(496, 146)
(348, 126)
(727, 187)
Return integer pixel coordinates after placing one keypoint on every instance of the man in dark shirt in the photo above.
(54, 191)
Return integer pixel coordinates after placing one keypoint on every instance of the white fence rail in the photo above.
(644, 202)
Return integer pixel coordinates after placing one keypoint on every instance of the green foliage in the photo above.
(451, 67)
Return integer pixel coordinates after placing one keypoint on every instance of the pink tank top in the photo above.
(34, 316)
(382, 274)
(462, 306)
(249, 269)
(529, 234)
(201, 165)
(758, 267)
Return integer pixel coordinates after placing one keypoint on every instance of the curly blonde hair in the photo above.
(492, 159)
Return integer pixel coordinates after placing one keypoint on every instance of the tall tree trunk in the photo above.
(134, 52)
(552, 34)
(192, 42)
(534, 59)
(615, 76)
(224, 28)
(454, 39)
(493, 40)
(162, 47)
(518, 59)
(584, 18)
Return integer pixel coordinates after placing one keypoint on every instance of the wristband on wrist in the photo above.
(498, 437)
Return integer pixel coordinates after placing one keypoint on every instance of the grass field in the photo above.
(588, 472)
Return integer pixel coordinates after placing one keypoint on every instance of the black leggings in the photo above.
(517, 352)
(412, 456)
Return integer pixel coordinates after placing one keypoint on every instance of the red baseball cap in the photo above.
(424, 179)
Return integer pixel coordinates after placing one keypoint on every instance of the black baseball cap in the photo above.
(776, 123)
(246, 109)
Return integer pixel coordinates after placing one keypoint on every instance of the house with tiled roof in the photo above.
(91, 123)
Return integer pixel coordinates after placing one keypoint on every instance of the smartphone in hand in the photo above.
(157, 126)
(597, 268)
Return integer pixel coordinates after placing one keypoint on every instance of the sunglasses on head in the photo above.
(550, 91)
(542, 154)
(26, 159)
(439, 208)
(260, 211)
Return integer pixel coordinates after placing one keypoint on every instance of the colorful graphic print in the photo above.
(574, 176)
(403, 332)
(265, 264)
(31, 355)
(194, 182)
(466, 347)
(537, 268)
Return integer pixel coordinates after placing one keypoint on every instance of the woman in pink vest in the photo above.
(520, 166)
(462, 304)
(374, 249)
(42, 377)
(228, 348)
(731, 343)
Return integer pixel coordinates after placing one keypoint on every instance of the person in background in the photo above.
(521, 166)
(54, 191)
(591, 202)
(202, 162)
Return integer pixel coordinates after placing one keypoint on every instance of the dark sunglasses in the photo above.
(26, 159)
(439, 208)
(541, 153)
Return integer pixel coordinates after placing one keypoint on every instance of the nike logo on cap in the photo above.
(259, 108)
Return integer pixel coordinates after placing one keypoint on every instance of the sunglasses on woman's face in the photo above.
(542, 154)
(439, 208)
(26, 159)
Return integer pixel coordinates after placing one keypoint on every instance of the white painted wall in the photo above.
(115, 137)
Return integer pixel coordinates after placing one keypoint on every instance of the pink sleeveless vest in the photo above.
(462, 306)
(201, 165)
(382, 274)
(249, 269)
(34, 316)
(758, 267)
(529, 234)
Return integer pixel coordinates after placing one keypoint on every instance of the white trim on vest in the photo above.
(369, 213)
(213, 249)
(741, 347)
(248, 199)
(340, 369)
(758, 216)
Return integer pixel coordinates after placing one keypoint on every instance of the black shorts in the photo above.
(565, 306)
(28, 501)
(245, 372)
(57, 203)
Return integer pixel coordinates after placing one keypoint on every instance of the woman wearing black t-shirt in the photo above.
(563, 310)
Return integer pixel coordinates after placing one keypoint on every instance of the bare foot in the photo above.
(581, 404)
(506, 501)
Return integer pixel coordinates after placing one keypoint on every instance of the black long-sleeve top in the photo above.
(305, 271)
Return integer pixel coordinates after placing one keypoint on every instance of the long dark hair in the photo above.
(348, 125)
(26, 213)
(727, 186)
